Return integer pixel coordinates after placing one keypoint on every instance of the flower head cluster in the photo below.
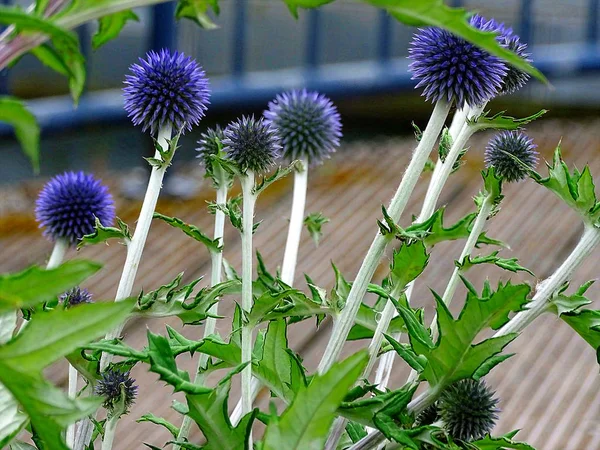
(450, 68)
(209, 144)
(468, 409)
(75, 296)
(166, 89)
(307, 123)
(112, 385)
(68, 205)
(252, 144)
(511, 153)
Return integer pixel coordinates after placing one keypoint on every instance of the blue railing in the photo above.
(385, 71)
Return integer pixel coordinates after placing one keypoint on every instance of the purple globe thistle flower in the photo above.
(307, 123)
(503, 151)
(110, 385)
(252, 144)
(452, 69)
(68, 205)
(515, 78)
(75, 296)
(166, 88)
(468, 409)
(210, 142)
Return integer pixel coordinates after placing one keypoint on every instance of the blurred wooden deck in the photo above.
(550, 389)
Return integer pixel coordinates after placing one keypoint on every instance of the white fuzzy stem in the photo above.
(216, 259)
(73, 375)
(109, 433)
(249, 200)
(290, 256)
(58, 253)
(138, 241)
(346, 319)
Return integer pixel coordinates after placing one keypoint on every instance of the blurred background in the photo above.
(356, 55)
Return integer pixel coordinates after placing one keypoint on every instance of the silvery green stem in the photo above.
(460, 132)
(216, 259)
(109, 432)
(345, 321)
(138, 241)
(236, 415)
(58, 253)
(544, 291)
(72, 392)
(249, 199)
(290, 256)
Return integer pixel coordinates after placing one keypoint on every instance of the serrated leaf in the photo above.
(110, 26)
(408, 262)
(293, 5)
(65, 42)
(209, 411)
(27, 130)
(196, 10)
(103, 234)
(231, 209)
(305, 424)
(267, 180)
(36, 285)
(437, 14)
(213, 245)
(454, 357)
(562, 303)
(489, 364)
(160, 421)
(500, 122)
(586, 323)
(500, 443)
(416, 362)
(313, 223)
(510, 264)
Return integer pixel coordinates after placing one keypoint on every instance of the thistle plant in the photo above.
(446, 402)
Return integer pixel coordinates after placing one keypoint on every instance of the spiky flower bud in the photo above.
(166, 88)
(428, 416)
(210, 142)
(252, 144)
(452, 69)
(468, 409)
(112, 385)
(515, 78)
(75, 296)
(503, 151)
(307, 123)
(68, 205)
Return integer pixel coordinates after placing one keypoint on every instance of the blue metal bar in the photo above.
(384, 45)
(163, 32)
(85, 43)
(313, 39)
(4, 80)
(526, 28)
(592, 30)
(238, 63)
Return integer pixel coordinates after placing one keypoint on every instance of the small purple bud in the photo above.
(109, 387)
(75, 296)
(516, 143)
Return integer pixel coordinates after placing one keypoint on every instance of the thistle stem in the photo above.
(58, 253)
(138, 241)
(342, 326)
(216, 258)
(249, 200)
(109, 433)
(72, 392)
(290, 256)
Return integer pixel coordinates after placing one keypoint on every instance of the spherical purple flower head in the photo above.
(110, 385)
(452, 69)
(166, 88)
(468, 409)
(307, 123)
(515, 78)
(75, 296)
(252, 144)
(210, 142)
(504, 148)
(68, 205)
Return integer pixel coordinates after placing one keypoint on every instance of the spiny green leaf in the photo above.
(408, 262)
(313, 223)
(65, 42)
(110, 26)
(196, 10)
(209, 411)
(454, 357)
(510, 264)
(279, 173)
(232, 210)
(305, 424)
(160, 421)
(500, 122)
(213, 245)
(36, 285)
(293, 5)
(500, 443)
(417, 362)
(435, 13)
(586, 323)
(562, 303)
(489, 364)
(27, 130)
(103, 234)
